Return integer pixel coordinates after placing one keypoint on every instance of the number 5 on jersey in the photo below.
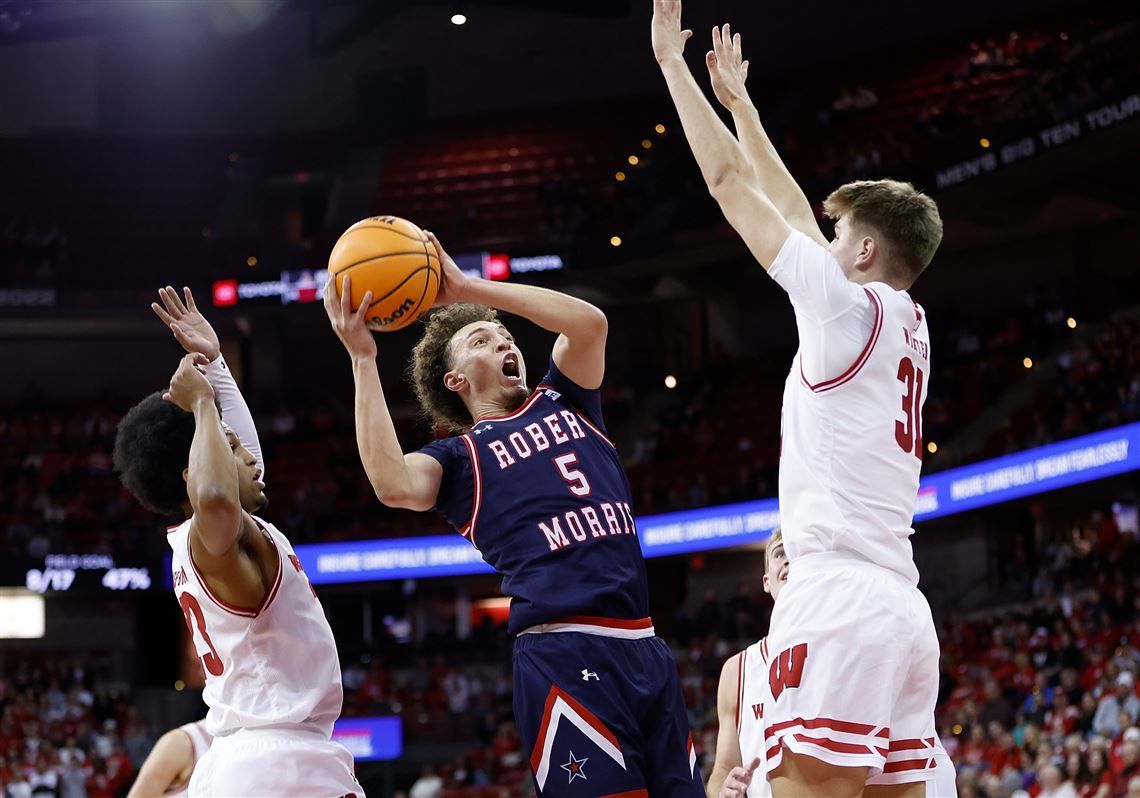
(576, 480)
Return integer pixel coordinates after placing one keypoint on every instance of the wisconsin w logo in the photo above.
(787, 670)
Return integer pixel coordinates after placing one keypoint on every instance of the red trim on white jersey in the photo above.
(604, 627)
(559, 705)
(860, 361)
(743, 661)
(764, 649)
(245, 612)
(468, 530)
(836, 736)
(525, 407)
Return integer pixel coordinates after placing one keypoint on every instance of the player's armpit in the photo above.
(752, 215)
(422, 486)
(727, 741)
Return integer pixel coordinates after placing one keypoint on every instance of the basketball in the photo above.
(395, 260)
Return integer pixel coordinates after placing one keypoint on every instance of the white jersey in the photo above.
(200, 740)
(752, 693)
(851, 437)
(272, 667)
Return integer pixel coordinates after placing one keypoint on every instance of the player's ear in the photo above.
(186, 475)
(868, 252)
(454, 381)
(767, 585)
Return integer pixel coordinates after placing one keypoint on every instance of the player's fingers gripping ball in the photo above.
(392, 258)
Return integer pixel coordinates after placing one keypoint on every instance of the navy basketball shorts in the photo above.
(602, 717)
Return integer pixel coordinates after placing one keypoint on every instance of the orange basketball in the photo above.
(392, 258)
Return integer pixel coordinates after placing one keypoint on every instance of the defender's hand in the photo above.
(189, 385)
(189, 326)
(453, 285)
(350, 327)
(667, 36)
(727, 70)
(736, 783)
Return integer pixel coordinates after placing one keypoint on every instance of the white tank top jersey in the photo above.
(752, 693)
(273, 667)
(200, 740)
(851, 431)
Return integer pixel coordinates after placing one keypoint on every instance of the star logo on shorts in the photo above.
(576, 767)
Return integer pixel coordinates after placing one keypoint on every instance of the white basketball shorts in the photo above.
(255, 763)
(853, 670)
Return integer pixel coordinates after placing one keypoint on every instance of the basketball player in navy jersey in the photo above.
(531, 480)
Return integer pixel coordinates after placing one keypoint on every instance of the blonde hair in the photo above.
(897, 211)
(777, 537)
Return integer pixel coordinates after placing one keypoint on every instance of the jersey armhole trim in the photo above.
(585, 419)
(270, 592)
(740, 689)
(860, 361)
(468, 529)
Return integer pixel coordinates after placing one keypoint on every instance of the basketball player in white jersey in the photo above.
(740, 701)
(854, 669)
(273, 684)
(741, 696)
(169, 765)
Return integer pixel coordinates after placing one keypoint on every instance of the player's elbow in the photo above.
(724, 181)
(398, 497)
(594, 322)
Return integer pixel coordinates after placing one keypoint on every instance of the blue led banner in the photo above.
(1014, 476)
(371, 739)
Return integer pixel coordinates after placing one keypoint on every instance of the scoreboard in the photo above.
(78, 573)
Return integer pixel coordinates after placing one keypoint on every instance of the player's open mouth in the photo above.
(511, 366)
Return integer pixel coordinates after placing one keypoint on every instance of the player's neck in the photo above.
(876, 275)
(493, 406)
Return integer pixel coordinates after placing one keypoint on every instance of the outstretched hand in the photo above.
(727, 69)
(667, 35)
(189, 326)
(350, 326)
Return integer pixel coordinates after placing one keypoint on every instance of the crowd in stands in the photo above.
(59, 493)
(66, 730)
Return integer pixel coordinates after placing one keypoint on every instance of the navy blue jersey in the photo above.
(542, 494)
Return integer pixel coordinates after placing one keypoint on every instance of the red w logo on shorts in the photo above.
(787, 669)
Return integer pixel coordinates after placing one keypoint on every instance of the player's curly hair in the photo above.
(907, 218)
(152, 447)
(432, 358)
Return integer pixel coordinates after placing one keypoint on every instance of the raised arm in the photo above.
(211, 478)
(191, 329)
(726, 169)
(728, 72)
(579, 351)
(409, 481)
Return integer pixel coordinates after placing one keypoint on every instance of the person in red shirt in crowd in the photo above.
(1005, 753)
(1130, 766)
(101, 783)
(1093, 780)
(1061, 719)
